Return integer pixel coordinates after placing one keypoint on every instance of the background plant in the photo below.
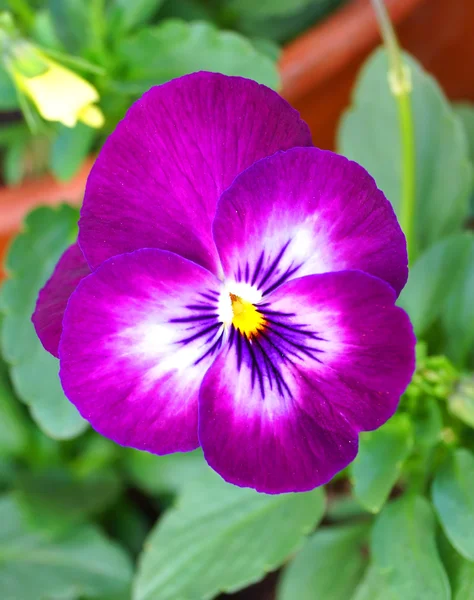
(123, 47)
(397, 524)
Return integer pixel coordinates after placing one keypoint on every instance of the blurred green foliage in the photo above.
(81, 517)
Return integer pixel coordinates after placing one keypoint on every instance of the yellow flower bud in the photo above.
(59, 94)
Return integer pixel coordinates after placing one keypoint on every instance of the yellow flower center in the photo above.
(246, 318)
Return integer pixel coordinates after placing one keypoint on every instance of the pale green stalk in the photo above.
(400, 86)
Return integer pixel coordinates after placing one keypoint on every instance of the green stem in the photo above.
(400, 85)
(407, 213)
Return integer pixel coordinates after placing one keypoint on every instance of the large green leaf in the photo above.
(374, 587)
(13, 427)
(432, 278)
(404, 550)
(222, 538)
(34, 372)
(163, 474)
(174, 48)
(453, 498)
(70, 148)
(458, 314)
(329, 566)
(379, 461)
(370, 134)
(36, 565)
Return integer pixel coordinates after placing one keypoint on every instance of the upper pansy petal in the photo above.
(138, 335)
(280, 410)
(307, 211)
(53, 298)
(158, 177)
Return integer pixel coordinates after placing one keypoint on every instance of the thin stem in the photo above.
(400, 85)
(407, 132)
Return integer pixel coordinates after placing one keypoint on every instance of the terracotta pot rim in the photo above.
(17, 201)
(316, 55)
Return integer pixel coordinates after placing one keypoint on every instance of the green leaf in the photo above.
(71, 23)
(14, 161)
(460, 570)
(464, 584)
(283, 27)
(458, 314)
(461, 401)
(370, 135)
(174, 48)
(70, 149)
(267, 8)
(267, 48)
(453, 498)
(404, 550)
(8, 95)
(189, 10)
(379, 461)
(34, 372)
(184, 557)
(136, 12)
(431, 279)
(36, 565)
(55, 498)
(163, 474)
(330, 565)
(374, 587)
(13, 427)
(465, 112)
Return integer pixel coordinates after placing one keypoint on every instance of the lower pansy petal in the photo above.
(280, 410)
(307, 211)
(138, 336)
(53, 298)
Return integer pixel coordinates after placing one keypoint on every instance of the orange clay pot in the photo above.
(318, 72)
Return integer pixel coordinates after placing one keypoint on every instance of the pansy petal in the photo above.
(280, 412)
(158, 177)
(303, 212)
(138, 335)
(53, 298)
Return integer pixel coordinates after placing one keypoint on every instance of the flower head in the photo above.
(58, 93)
(233, 288)
(61, 95)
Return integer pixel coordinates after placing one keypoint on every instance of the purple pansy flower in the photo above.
(232, 288)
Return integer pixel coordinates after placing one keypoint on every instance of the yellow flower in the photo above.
(61, 95)
(58, 93)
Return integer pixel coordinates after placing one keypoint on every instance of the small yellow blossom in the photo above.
(59, 94)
